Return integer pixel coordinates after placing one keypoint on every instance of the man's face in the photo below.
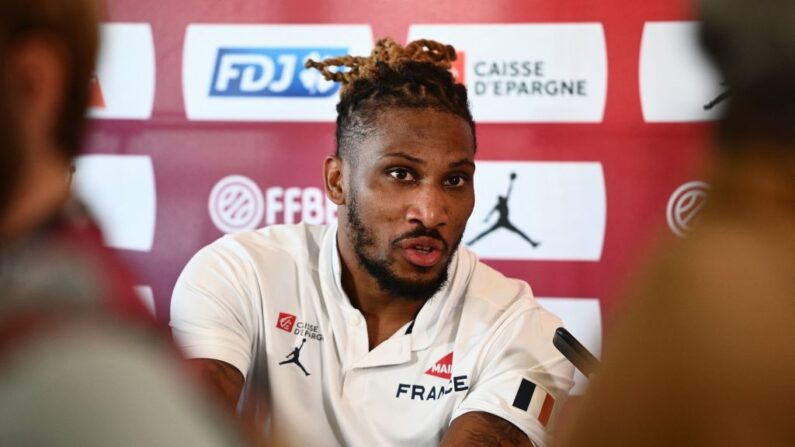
(410, 193)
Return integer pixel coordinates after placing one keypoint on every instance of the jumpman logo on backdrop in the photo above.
(502, 219)
(292, 357)
(719, 99)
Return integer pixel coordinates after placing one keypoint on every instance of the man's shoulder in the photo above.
(270, 249)
(494, 290)
(494, 297)
(295, 239)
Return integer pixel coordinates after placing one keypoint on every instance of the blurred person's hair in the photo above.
(754, 49)
(72, 27)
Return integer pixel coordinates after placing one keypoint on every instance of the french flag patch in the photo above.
(532, 398)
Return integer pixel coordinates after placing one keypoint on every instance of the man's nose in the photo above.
(428, 207)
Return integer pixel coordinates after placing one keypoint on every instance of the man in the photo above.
(704, 354)
(409, 339)
(81, 363)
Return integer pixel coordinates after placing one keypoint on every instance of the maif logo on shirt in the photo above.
(443, 369)
(528, 72)
(256, 72)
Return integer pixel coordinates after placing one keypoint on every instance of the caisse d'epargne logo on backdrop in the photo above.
(528, 72)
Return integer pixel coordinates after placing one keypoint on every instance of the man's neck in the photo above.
(384, 313)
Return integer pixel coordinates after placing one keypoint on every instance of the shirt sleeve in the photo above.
(523, 378)
(212, 307)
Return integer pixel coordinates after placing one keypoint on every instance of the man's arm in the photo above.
(483, 429)
(222, 378)
(211, 318)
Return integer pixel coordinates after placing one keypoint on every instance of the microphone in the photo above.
(575, 352)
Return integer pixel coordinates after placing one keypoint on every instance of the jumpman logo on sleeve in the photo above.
(292, 357)
(502, 219)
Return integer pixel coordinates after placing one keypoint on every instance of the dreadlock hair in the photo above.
(415, 76)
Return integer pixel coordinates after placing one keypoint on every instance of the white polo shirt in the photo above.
(271, 303)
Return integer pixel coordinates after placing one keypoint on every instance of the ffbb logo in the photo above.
(285, 322)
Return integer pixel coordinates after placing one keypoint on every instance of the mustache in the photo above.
(422, 232)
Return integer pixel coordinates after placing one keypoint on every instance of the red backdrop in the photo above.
(642, 162)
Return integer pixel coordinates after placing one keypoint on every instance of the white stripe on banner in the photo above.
(147, 297)
(125, 75)
(256, 72)
(677, 83)
(538, 211)
(119, 190)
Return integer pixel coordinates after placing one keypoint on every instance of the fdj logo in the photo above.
(271, 72)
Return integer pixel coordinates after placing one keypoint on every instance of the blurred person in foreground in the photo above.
(380, 330)
(705, 354)
(81, 362)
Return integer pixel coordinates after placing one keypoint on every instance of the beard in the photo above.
(382, 269)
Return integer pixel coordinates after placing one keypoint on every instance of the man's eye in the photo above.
(455, 180)
(401, 174)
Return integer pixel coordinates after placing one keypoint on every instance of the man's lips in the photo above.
(422, 251)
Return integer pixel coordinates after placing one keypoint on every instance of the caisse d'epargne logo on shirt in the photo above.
(289, 323)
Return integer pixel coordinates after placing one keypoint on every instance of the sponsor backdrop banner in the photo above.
(593, 122)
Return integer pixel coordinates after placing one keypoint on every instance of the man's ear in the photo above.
(334, 179)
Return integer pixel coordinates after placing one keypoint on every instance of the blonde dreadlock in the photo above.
(388, 52)
(393, 76)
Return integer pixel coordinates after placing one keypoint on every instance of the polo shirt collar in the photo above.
(430, 319)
